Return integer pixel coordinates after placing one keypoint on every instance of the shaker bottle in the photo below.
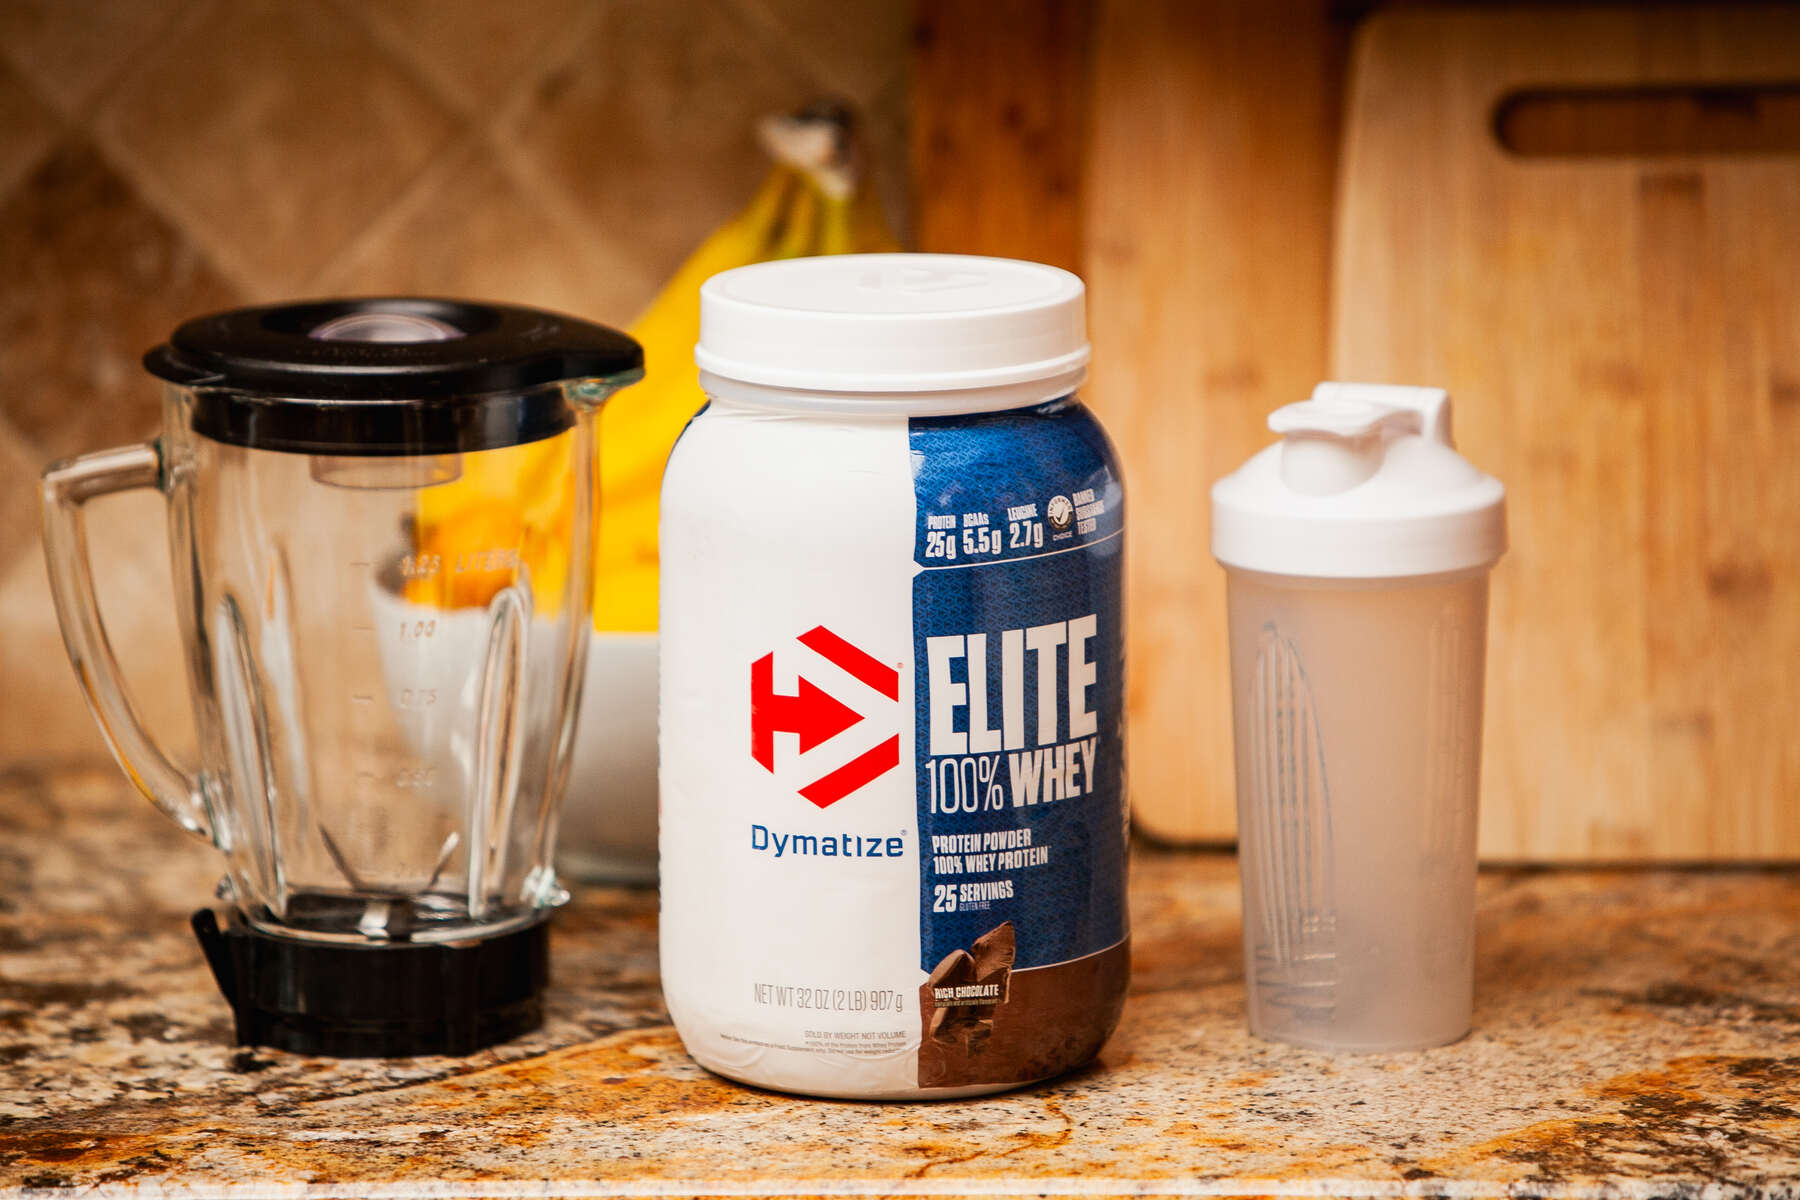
(1357, 553)
(384, 725)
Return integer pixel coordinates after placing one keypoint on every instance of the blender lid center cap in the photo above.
(384, 327)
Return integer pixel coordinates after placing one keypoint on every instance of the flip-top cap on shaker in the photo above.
(1365, 483)
(1357, 551)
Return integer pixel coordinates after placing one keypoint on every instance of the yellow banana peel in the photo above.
(523, 496)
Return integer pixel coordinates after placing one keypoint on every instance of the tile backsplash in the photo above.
(164, 158)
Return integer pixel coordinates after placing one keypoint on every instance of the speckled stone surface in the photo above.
(1637, 1034)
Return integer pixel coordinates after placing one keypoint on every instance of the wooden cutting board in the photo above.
(1206, 246)
(1619, 324)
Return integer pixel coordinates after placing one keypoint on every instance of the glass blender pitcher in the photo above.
(380, 518)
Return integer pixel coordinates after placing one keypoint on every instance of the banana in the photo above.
(808, 204)
(640, 424)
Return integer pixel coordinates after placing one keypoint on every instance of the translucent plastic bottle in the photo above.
(1357, 553)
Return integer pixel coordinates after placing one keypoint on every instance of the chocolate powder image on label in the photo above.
(983, 1022)
(966, 988)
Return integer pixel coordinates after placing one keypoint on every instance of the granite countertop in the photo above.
(1637, 1034)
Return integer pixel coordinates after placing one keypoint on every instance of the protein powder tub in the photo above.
(893, 826)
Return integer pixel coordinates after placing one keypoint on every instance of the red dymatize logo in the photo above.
(815, 716)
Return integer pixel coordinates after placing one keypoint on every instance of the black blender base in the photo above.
(378, 1001)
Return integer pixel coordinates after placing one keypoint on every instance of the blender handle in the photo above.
(67, 487)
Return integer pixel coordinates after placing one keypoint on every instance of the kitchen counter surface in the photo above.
(1637, 1034)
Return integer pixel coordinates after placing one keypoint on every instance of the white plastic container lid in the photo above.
(893, 324)
(1364, 484)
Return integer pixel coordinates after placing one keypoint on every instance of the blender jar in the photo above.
(1357, 554)
(385, 706)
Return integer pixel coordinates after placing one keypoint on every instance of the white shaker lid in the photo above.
(887, 323)
(1364, 484)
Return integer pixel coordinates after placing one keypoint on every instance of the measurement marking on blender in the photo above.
(420, 566)
(362, 698)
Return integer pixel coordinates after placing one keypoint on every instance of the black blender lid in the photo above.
(387, 375)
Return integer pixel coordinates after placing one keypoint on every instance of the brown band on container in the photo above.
(982, 1022)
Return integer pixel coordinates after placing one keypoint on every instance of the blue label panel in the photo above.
(1018, 626)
